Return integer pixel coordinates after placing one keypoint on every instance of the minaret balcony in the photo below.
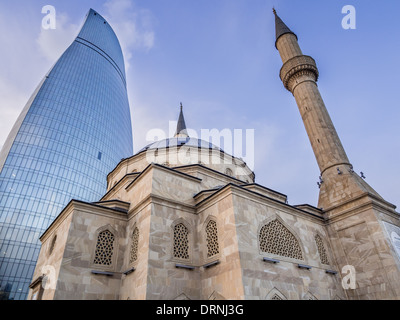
(297, 66)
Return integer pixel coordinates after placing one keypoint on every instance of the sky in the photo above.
(218, 58)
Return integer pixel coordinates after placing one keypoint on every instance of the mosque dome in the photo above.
(181, 139)
(182, 151)
(179, 142)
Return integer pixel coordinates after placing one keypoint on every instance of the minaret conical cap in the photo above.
(181, 126)
(280, 27)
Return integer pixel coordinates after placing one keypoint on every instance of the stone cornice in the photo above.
(125, 177)
(37, 281)
(57, 221)
(124, 162)
(217, 196)
(276, 204)
(359, 204)
(139, 206)
(238, 190)
(74, 205)
(209, 173)
(158, 166)
(157, 199)
(114, 204)
(99, 210)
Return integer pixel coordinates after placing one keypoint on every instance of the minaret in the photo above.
(361, 226)
(299, 74)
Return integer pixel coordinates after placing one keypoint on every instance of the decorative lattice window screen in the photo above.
(276, 297)
(275, 238)
(134, 246)
(321, 250)
(104, 248)
(181, 241)
(212, 239)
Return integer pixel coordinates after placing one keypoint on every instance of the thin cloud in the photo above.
(53, 42)
(134, 26)
(20, 72)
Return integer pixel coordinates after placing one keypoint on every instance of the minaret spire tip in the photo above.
(280, 27)
(181, 125)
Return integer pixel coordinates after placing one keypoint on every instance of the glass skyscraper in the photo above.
(73, 131)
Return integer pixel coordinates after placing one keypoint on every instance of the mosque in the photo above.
(203, 229)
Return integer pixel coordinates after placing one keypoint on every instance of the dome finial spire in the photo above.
(181, 131)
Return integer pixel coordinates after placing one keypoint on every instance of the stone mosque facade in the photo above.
(182, 219)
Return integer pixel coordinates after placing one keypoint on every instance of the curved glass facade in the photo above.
(73, 131)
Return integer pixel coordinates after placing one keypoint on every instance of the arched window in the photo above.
(181, 241)
(321, 249)
(276, 239)
(275, 294)
(212, 239)
(104, 248)
(229, 172)
(52, 244)
(134, 246)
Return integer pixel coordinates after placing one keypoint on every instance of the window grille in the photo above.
(104, 248)
(275, 238)
(181, 241)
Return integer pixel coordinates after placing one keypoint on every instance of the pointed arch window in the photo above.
(275, 294)
(212, 239)
(134, 246)
(276, 239)
(323, 256)
(52, 244)
(229, 172)
(104, 248)
(181, 242)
